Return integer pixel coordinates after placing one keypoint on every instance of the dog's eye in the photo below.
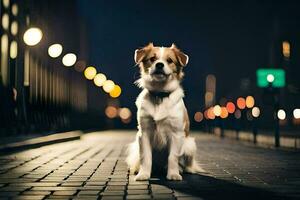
(169, 60)
(152, 59)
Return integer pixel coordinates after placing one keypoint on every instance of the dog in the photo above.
(163, 122)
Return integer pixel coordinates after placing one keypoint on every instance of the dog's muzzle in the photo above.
(159, 74)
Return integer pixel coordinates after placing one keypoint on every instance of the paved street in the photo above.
(94, 168)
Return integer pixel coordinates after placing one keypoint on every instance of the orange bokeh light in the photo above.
(241, 103)
(111, 112)
(224, 113)
(198, 117)
(210, 113)
(230, 107)
(250, 101)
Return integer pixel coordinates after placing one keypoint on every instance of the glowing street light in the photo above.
(32, 36)
(281, 114)
(69, 59)
(108, 86)
(55, 50)
(250, 101)
(270, 78)
(90, 73)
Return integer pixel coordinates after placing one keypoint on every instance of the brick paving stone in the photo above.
(64, 193)
(112, 198)
(88, 193)
(137, 192)
(138, 196)
(36, 193)
(29, 197)
(91, 167)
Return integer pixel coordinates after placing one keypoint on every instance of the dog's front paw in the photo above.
(174, 177)
(142, 177)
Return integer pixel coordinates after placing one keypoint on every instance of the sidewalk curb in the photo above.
(287, 142)
(40, 141)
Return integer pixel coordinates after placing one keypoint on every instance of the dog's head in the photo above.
(161, 67)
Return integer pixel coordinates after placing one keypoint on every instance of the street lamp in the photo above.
(69, 59)
(90, 73)
(32, 36)
(99, 79)
(55, 50)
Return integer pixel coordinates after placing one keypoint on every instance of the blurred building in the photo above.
(38, 93)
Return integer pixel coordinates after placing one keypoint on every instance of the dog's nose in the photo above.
(159, 65)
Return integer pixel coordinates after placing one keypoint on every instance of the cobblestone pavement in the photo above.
(94, 168)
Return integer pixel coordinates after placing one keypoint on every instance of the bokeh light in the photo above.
(124, 113)
(230, 107)
(281, 114)
(224, 113)
(250, 101)
(296, 113)
(210, 113)
(237, 114)
(90, 72)
(270, 78)
(111, 112)
(217, 110)
(5, 21)
(13, 49)
(32, 36)
(99, 79)
(255, 112)
(69, 59)
(80, 65)
(116, 92)
(241, 103)
(14, 28)
(55, 50)
(198, 117)
(108, 86)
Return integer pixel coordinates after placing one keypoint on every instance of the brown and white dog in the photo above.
(163, 122)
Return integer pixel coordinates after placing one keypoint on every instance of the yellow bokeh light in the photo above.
(14, 9)
(99, 79)
(250, 101)
(13, 49)
(116, 92)
(32, 36)
(90, 73)
(5, 21)
(217, 110)
(55, 50)
(108, 86)
(69, 59)
(14, 28)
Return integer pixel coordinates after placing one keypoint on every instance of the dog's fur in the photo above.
(163, 123)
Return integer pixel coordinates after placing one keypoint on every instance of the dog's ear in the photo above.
(139, 54)
(182, 58)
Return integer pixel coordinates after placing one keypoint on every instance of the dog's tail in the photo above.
(189, 150)
(133, 156)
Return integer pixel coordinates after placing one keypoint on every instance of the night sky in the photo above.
(230, 40)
